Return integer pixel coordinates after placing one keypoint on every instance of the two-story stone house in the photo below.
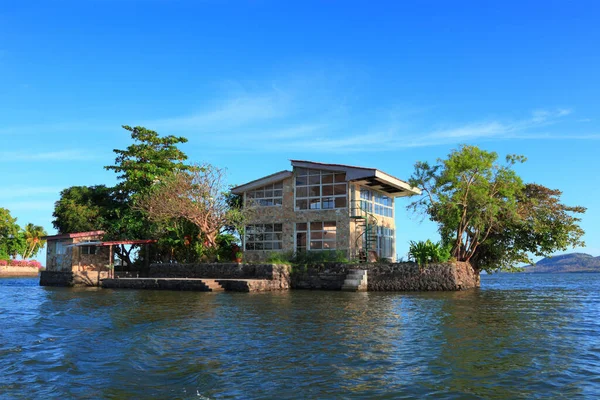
(317, 207)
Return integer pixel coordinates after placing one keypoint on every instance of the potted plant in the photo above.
(238, 256)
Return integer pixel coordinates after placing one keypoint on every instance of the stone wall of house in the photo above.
(72, 259)
(220, 271)
(91, 262)
(348, 231)
(72, 278)
(389, 277)
(10, 270)
(288, 217)
(58, 262)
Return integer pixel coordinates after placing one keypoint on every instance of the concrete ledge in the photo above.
(11, 270)
(195, 284)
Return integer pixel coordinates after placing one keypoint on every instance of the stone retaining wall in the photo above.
(217, 271)
(11, 270)
(76, 278)
(389, 277)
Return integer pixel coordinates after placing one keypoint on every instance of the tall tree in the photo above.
(489, 216)
(150, 158)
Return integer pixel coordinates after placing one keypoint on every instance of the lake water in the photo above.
(519, 336)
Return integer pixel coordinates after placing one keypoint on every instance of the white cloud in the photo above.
(234, 112)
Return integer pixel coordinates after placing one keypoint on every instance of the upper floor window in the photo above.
(377, 203)
(320, 190)
(270, 195)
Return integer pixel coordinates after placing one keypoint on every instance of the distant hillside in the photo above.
(574, 262)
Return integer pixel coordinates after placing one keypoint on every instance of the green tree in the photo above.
(33, 239)
(85, 208)
(149, 159)
(198, 196)
(11, 240)
(488, 215)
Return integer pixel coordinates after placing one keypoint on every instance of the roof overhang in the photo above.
(267, 180)
(370, 177)
(388, 184)
(112, 243)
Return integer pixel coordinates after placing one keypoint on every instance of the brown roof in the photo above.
(262, 181)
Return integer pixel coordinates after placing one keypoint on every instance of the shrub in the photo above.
(317, 257)
(427, 251)
(277, 257)
(3, 263)
(34, 263)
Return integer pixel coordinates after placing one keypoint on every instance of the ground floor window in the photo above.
(264, 237)
(315, 236)
(385, 242)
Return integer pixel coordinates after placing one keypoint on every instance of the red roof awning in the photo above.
(116, 242)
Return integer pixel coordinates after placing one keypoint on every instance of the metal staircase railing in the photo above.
(367, 221)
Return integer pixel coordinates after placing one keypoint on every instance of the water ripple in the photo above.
(520, 336)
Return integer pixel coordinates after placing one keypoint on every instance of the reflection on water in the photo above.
(520, 336)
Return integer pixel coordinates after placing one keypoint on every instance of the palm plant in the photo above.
(33, 237)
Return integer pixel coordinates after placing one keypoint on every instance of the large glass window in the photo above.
(316, 236)
(320, 190)
(377, 203)
(270, 195)
(264, 237)
(385, 242)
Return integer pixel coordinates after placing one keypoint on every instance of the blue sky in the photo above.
(253, 84)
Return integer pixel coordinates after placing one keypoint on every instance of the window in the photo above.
(60, 248)
(385, 242)
(376, 203)
(264, 237)
(270, 195)
(320, 190)
(315, 236)
(88, 250)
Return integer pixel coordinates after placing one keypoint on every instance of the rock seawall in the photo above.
(389, 277)
(216, 271)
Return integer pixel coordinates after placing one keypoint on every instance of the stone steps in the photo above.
(356, 280)
(212, 285)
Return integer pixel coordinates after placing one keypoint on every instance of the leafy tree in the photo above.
(198, 196)
(85, 208)
(11, 240)
(33, 239)
(149, 159)
(488, 215)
